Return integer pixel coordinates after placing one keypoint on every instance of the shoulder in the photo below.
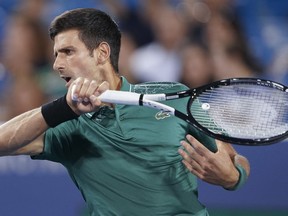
(158, 87)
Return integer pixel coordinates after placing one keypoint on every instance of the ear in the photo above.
(103, 52)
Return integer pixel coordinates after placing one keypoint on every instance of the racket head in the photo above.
(243, 111)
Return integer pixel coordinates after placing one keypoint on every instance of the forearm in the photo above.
(21, 130)
(16, 134)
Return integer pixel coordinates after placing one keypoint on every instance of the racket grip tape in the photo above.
(242, 178)
(141, 99)
(57, 112)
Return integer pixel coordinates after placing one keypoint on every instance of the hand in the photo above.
(83, 94)
(215, 168)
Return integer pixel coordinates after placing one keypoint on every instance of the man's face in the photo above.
(72, 58)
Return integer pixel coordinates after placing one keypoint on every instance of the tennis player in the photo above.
(125, 160)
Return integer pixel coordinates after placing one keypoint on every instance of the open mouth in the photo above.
(67, 79)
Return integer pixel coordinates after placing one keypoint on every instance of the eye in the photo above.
(68, 51)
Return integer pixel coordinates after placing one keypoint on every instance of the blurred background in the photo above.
(191, 41)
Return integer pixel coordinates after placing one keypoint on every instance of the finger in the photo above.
(94, 97)
(74, 89)
(184, 154)
(74, 95)
(91, 89)
(82, 95)
(102, 87)
(198, 147)
(191, 154)
(196, 170)
(192, 165)
(188, 148)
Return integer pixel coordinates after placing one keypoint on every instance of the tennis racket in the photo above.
(244, 111)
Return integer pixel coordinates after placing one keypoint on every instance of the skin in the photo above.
(215, 168)
(90, 75)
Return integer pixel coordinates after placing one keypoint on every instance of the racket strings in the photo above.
(242, 111)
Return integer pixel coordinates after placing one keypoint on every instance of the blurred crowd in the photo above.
(189, 41)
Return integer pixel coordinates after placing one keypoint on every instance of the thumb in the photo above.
(225, 147)
(220, 144)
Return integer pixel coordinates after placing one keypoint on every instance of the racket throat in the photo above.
(182, 116)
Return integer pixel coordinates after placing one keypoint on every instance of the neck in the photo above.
(114, 80)
(106, 73)
(119, 84)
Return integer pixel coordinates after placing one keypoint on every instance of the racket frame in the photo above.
(239, 141)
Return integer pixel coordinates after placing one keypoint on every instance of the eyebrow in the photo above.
(63, 50)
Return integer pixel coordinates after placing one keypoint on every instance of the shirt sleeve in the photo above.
(58, 143)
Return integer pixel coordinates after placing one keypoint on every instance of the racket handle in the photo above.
(120, 97)
(128, 98)
(155, 97)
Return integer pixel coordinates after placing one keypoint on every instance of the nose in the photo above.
(58, 64)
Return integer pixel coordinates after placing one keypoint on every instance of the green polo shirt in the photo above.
(124, 160)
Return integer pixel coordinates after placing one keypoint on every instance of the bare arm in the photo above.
(23, 134)
(20, 131)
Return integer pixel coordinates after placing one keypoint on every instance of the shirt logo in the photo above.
(162, 115)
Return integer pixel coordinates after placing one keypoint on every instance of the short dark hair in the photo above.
(94, 27)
